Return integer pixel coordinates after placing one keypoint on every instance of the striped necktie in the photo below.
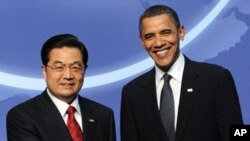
(73, 126)
(167, 108)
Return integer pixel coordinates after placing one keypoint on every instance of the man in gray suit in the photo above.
(47, 117)
(205, 100)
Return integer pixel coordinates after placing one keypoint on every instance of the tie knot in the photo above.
(167, 78)
(71, 110)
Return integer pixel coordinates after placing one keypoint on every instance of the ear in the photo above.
(44, 72)
(142, 41)
(181, 32)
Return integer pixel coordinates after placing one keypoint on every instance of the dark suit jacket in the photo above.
(204, 114)
(38, 119)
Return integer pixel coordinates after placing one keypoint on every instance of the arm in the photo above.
(228, 110)
(112, 133)
(127, 123)
(19, 128)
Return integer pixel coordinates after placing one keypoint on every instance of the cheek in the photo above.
(172, 39)
(147, 44)
(52, 79)
(149, 52)
(79, 79)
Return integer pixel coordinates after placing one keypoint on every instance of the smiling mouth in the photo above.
(161, 53)
(67, 84)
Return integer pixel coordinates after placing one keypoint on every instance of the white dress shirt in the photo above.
(63, 106)
(176, 72)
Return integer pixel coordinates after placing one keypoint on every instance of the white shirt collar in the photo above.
(63, 106)
(176, 70)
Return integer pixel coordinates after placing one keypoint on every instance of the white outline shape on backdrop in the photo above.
(113, 76)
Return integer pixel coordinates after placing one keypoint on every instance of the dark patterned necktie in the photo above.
(73, 126)
(167, 108)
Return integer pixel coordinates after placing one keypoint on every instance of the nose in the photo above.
(67, 73)
(158, 41)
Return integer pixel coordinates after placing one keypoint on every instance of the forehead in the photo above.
(65, 54)
(158, 21)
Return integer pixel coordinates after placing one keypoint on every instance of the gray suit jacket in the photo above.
(38, 119)
(204, 114)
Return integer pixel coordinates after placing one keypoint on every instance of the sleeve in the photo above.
(19, 127)
(112, 133)
(127, 122)
(228, 110)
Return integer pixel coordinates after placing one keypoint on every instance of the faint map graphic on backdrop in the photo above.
(230, 49)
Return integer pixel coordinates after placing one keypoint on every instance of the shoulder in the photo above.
(207, 73)
(206, 68)
(27, 105)
(26, 110)
(142, 79)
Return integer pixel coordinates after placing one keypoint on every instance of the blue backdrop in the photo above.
(217, 32)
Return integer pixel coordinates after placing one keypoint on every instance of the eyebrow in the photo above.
(166, 30)
(57, 62)
(75, 62)
(162, 31)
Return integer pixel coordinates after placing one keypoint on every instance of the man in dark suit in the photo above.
(204, 97)
(59, 113)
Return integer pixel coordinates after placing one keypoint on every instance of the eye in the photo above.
(59, 68)
(148, 36)
(58, 65)
(76, 67)
(166, 32)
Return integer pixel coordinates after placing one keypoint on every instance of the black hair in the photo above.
(159, 10)
(62, 40)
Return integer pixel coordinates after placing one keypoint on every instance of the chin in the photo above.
(68, 93)
(164, 65)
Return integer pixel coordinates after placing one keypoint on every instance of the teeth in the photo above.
(162, 52)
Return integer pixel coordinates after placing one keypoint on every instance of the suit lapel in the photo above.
(153, 114)
(89, 120)
(52, 118)
(189, 92)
